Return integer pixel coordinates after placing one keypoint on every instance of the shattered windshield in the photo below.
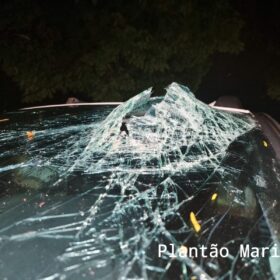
(183, 191)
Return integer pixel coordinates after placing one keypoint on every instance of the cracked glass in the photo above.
(81, 199)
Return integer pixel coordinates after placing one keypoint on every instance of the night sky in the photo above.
(50, 51)
(243, 75)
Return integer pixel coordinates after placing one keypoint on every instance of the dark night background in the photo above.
(110, 50)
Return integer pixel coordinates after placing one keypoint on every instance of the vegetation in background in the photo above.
(109, 50)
